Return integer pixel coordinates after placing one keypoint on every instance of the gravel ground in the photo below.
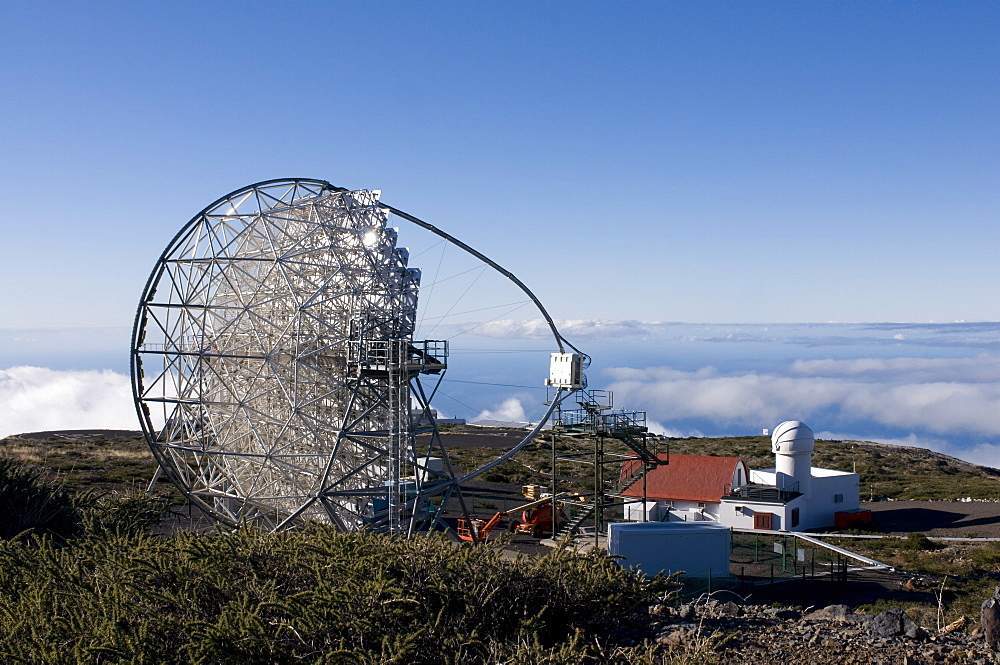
(975, 519)
(763, 635)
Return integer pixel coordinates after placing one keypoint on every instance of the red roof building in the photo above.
(700, 478)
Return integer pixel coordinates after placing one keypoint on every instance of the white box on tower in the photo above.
(565, 371)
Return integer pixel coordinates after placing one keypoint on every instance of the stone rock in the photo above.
(894, 622)
(781, 613)
(678, 634)
(728, 609)
(661, 611)
(838, 613)
(687, 612)
(991, 620)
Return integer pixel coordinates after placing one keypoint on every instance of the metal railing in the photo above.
(765, 493)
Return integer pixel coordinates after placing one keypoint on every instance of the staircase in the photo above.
(641, 469)
(570, 527)
(625, 427)
(597, 418)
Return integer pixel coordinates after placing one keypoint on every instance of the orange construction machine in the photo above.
(536, 519)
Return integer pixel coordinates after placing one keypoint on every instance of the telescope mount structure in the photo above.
(274, 369)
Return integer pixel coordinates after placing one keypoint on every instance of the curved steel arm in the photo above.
(561, 394)
(560, 340)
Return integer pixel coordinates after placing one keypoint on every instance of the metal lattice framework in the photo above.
(273, 364)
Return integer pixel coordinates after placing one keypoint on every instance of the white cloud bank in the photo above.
(569, 328)
(35, 399)
(984, 336)
(953, 397)
(510, 410)
(981, 368)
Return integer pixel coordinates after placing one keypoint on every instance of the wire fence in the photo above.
(770, 568)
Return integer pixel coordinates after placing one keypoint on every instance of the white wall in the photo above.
(816, 511)
(680, 511)
(699, 549)
(654, 511)
(743, 518)
(827, 487)
(781, 514)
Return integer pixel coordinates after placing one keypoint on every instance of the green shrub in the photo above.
(31, 505)
(123, 512)
(920, 542)
(987, 555)
(314, 596)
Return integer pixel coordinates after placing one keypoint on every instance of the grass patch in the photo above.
(886, 471)
(962, 576)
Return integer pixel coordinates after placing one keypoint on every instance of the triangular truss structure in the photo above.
(274, 367)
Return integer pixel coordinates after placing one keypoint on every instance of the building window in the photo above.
(701, 506)
(838, 498)
(795, 517)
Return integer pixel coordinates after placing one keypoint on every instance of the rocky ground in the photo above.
(766, 635)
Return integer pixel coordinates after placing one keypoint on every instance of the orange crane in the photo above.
(536, 518)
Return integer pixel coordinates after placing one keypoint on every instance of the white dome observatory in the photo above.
(792, 444)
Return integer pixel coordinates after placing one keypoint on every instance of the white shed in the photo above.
(700, 549)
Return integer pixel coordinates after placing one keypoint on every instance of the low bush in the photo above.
(316, 596)
(30, 504)
(921, 543)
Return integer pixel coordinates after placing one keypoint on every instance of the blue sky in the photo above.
(634, 163)
(721, 162)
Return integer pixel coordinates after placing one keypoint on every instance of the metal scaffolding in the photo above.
(274, 368)
(597, 419)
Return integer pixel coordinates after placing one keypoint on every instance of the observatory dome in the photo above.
(792, 437)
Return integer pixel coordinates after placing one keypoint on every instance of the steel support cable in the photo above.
(561, 393)
(560, 341)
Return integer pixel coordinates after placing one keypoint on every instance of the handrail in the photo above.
(820, 543)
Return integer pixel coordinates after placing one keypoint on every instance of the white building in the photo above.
(698, 549)
(791, 496)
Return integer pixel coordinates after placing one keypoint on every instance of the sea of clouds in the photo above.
(901, 401)
(37, 399)
(932, 385)
(929, 385)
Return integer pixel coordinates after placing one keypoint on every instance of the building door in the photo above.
(762, 520)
